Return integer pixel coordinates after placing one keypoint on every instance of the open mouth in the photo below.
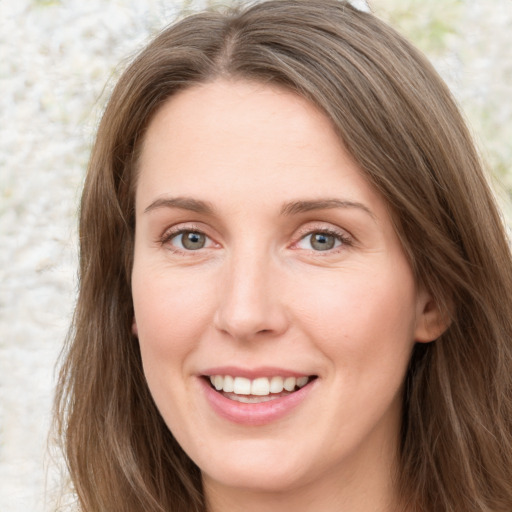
(261, 389)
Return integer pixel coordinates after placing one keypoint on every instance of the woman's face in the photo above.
(264, 259)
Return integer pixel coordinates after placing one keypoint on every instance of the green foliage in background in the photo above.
(44, 3)
(427, 23)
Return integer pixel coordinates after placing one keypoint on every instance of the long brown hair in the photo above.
(398, 120)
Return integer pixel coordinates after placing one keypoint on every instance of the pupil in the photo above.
(192, 240)
(322, 241)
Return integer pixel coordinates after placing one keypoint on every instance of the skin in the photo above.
(258, 294)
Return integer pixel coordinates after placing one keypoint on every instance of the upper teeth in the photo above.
(260, 386)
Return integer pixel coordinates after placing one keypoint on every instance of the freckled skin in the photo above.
(259, 293)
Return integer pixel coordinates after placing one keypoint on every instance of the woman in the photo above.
(294, 280)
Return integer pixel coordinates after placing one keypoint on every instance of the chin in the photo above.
(255, 478)
(257, 465)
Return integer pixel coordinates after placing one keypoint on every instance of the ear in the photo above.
(135, 331)
(431, 319)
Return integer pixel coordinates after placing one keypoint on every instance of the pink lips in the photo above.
(253, 414)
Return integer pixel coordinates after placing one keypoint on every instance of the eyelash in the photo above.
(344, 239)
(171, 233)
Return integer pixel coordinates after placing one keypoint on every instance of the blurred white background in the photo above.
(58, 62)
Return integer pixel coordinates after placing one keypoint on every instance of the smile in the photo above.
(260, 389)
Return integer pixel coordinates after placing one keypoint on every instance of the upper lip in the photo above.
(253, 373)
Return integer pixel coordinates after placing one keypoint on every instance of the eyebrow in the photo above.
(288, 209)
(184, 203)
(296, 207)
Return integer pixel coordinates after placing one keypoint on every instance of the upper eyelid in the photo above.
(183, 226)
(172, 231)
(322, 227)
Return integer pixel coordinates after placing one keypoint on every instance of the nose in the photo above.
(250, 304)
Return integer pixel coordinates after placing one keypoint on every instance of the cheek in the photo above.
(361, 318)
(171, 314)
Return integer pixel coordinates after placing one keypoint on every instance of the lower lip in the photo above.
(254, 414)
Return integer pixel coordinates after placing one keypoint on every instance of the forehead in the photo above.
(235, 137)
(228, 111)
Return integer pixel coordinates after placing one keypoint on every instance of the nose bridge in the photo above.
(249, 302)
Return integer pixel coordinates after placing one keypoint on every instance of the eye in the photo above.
(321, 241)
(189, 240)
